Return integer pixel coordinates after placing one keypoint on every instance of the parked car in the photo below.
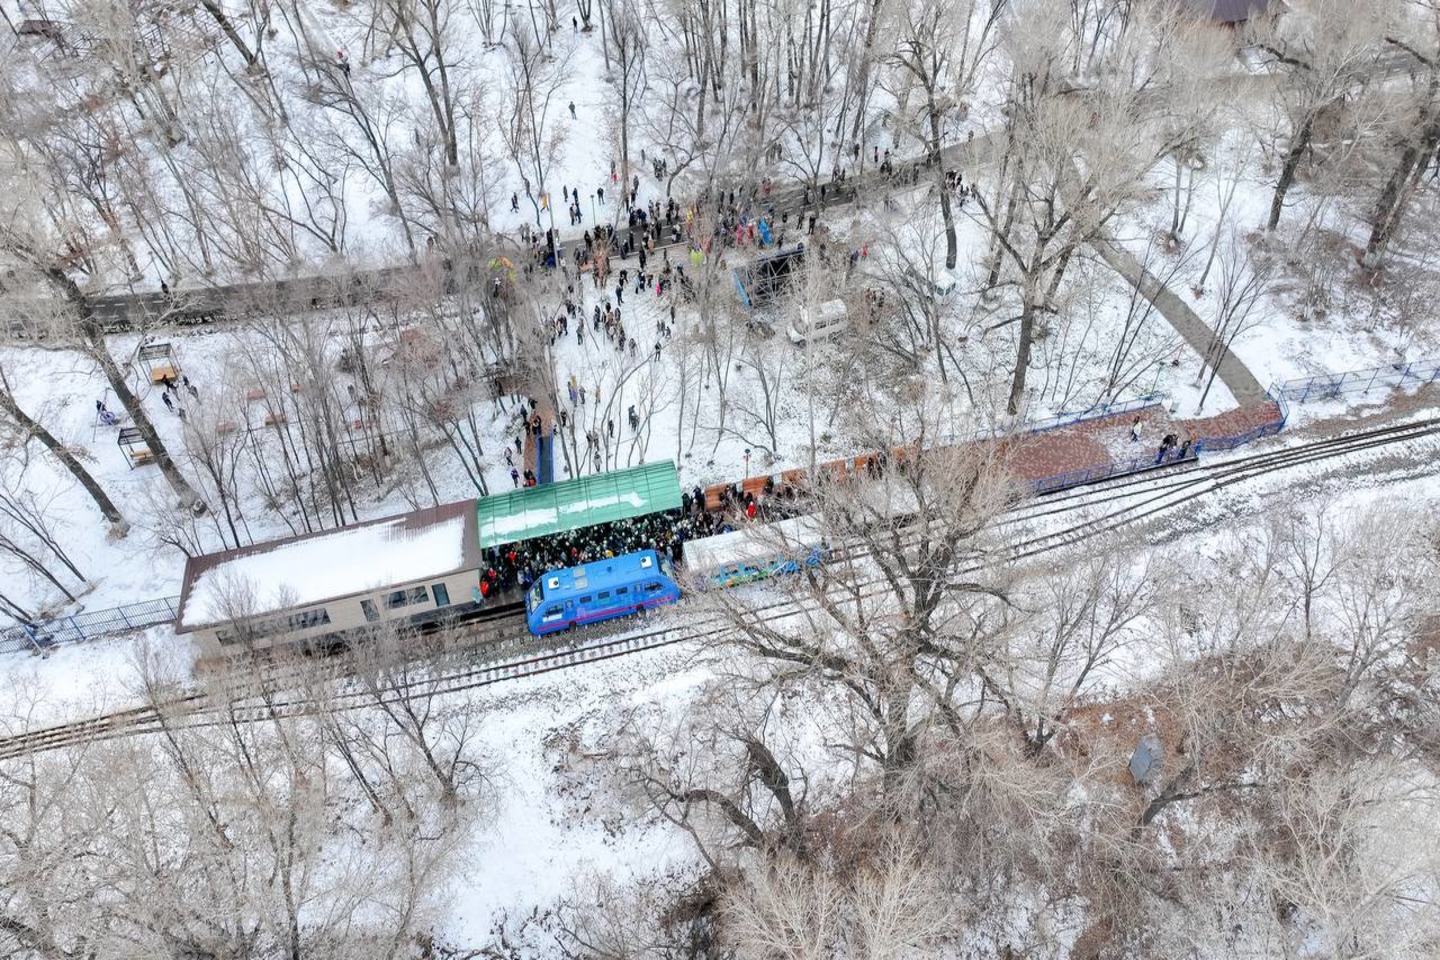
(830, 319)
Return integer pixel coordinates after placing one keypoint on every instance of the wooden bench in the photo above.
(162, 373)
(138, 458)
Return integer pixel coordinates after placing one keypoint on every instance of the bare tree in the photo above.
(30, 428)
(1244, 282)
(1048, 203)
(943, 45)
(532, 82)
(628, 75)
(1327, 51)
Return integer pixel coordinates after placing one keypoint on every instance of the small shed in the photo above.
(136, 449)
(159, 362)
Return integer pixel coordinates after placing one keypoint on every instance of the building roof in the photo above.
(557, 507)
(319, 567)
(1233, 11)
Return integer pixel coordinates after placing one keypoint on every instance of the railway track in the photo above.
(512, 654)
(1125, 501)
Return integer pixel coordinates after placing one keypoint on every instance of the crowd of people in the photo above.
(723, 218)
(518, 565)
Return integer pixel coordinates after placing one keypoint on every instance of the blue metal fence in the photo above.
(88, 625)
(1064, 419)
(1334, 385)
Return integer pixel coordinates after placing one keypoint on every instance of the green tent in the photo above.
(582, 502)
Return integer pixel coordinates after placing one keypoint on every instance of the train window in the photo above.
(604, 594)
(652, 587)
(419, 595)
(620, 590)
(550, 615)
(308, 619)
(371, 614)
(442, 594)
(586, 599)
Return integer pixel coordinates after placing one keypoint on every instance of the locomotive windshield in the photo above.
(532, 600)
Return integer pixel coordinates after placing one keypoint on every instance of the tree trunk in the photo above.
(77, 470)
(1022, 355)
(213, 8)
(1391, 204)
(1287, 173)
(947, 210)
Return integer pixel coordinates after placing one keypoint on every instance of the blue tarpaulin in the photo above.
(545, 460)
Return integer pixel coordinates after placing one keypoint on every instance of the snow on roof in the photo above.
(338, 563)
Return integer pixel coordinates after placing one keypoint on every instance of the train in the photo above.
(390, 579)
(635, 583)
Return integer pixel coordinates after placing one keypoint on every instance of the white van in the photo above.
(829, 319)
(939, 288)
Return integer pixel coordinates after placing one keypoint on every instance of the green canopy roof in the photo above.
(582, 502)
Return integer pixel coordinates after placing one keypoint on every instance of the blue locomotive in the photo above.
(600, 590)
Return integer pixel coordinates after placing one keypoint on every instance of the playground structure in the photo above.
(136, 450)
(159, 362)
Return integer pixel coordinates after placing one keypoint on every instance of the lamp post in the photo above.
(1159, 369)
(593, 215)
(747, 463)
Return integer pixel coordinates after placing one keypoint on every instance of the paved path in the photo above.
(1233, 373)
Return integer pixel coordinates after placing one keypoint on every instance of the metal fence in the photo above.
(1063, 419)
(88, 625)
(1334, 385)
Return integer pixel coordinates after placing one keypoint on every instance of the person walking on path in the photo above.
(1167, 444)
(1135, 431)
